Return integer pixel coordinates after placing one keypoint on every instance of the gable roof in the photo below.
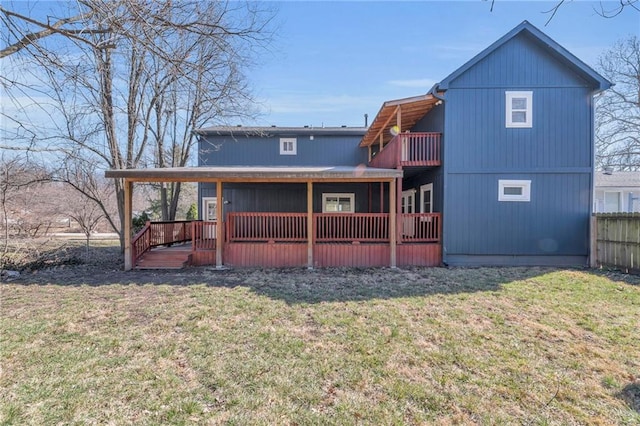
(617, 180)
(599, 83)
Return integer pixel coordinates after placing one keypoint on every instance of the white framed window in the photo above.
(209, 208)
(408, 201)
(288, 146)
(426, 192)
(519, 109)
(514, 190)
(338, 203)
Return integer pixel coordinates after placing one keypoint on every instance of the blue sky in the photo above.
(332, 62)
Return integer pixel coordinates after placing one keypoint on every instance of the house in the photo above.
(493, 166)
(617, 192)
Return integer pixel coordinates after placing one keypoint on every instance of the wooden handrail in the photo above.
(420, 227)
(410, 149)
(140, 243)
(159, 234)
(360, 227)
(276, 227)
(203, 235)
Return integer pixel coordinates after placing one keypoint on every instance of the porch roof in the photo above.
(411, 110)
(256, 174)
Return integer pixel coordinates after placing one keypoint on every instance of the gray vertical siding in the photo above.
(556, 154)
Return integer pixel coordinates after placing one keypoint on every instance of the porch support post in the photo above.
(126, 226)
(399, 119)
(392, 223)
(398, 202)
(310, 227)
(219, 225)
(369, 150)
(381, 143)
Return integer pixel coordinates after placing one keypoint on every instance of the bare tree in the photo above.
(606, 9)
(21, 199)
(618, 109)
(128, 80)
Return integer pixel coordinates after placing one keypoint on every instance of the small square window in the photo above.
(288, 146)
(514, 190)
(519, 111)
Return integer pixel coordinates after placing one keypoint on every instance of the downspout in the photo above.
(434, 92)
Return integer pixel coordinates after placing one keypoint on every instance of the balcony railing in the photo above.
(331, 227)
(410, 149)
(159, 234)
(276, 227)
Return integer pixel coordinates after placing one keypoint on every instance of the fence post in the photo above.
(593, 247)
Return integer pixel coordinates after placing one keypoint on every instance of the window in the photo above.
(519, 111)
(338, 203)
(427, 198)
(288, 146)
(514, 190)
(209, 208)
(408, 201)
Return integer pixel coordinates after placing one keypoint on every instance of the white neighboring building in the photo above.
(617, 192)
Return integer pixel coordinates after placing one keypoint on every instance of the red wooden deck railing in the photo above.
(277, 227)
(361, 227)
(409, 149)
(203, 235)
(159, 234)
(421, 227)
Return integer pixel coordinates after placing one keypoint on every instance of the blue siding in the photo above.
(555, 221)
(556, 154)
(477, 139)
(243, 150)
(289, 198)
(520, 62)
(432, 122)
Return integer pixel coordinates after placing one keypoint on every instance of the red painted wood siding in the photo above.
(419, 254)
(273, 255)
(351, 255)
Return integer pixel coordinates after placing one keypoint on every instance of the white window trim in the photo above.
(509, 96)
(350, 195)
(294, 142)
(411, 193)
(524, 184)
(206, 200)
(423, 189)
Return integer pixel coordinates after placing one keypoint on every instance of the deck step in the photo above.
(164, 259)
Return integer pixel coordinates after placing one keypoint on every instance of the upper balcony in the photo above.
(420, 149)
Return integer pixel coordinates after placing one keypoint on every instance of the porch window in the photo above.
(288, 146)
(427, 198)
(338, 203)
(514, 190)
(519, 112)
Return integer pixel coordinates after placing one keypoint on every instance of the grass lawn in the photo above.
(342, 346)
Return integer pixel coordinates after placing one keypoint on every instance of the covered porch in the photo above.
(272, 239)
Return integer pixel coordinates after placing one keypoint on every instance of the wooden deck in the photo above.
(277, 240)
(174, 257)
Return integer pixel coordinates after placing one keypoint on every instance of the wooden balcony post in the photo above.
(126, 228)
(392, 223)
(310, 236)
(219, 222)
(398, 200)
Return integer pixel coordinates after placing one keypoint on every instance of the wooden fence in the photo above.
(616, 240)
